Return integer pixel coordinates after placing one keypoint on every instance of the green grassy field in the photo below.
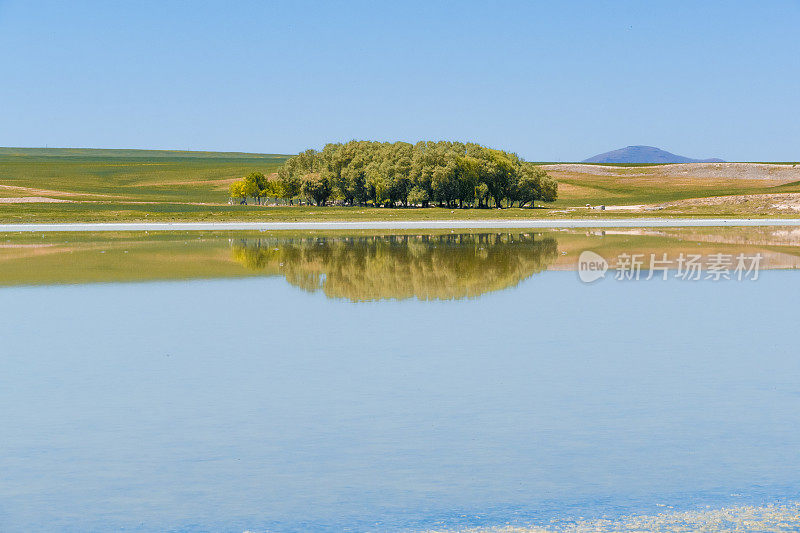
(87, 185)
(120, 176)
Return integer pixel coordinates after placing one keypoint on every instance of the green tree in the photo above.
(418, 196)
(237, 191)
(291, 175)
(272, 189)
(254, 185)
(549, 189)
(288, 185)
(501, 174)
(317, 188)
(482, 194)
(534, 184)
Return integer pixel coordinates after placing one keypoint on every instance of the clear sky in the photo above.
(550, 80)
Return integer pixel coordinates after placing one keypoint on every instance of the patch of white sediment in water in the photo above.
(768, 518)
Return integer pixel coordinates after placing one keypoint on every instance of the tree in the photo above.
(293, 171)
(237, 192)
(335, 158)
(501, 174)
(272, 189)
(288, 185)
(352, 185)
(418, 196)
(535, 184)
(255, 185)
(468, 171)
(549, 189)
(252, 186)
(317, 188)
(445, 184)
(482, 194)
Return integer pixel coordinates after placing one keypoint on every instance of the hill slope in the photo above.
(120, 175)
(129, 154)
(644, 154)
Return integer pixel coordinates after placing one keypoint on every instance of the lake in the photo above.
(354, 381)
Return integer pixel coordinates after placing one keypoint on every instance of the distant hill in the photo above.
(644, 154)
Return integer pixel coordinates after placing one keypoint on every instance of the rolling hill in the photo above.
(644, 155)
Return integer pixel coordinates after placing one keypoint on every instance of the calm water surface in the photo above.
(256, 404)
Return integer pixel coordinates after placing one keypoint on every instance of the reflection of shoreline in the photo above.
(778, 247)
(427, 267)
(765, 518)
(53, 258)
(754, 236)
(770, 260)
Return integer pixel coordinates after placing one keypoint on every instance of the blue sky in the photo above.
(549, 80)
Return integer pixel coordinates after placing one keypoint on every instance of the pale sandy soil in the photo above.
(26, 246)
(766, 519)
(33, 199)
(46, 200)
(638, 207)
(632, 207)
(12, 252)
(743, 171)
(786, 201)
(49, 192)
(143, 202)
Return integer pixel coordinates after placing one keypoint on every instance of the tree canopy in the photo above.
(447, 174)
(255, 185)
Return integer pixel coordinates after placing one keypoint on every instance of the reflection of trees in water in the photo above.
(427, 267)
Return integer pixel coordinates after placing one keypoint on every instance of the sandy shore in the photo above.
(404, 225)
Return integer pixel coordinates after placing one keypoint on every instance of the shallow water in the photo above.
(287, 403)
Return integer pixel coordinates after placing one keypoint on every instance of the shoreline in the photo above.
(400, 225)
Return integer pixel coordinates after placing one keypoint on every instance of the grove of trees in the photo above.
(446, 174)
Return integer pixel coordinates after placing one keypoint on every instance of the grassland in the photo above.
(679, 189)
(127, 176)
(82, 185)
